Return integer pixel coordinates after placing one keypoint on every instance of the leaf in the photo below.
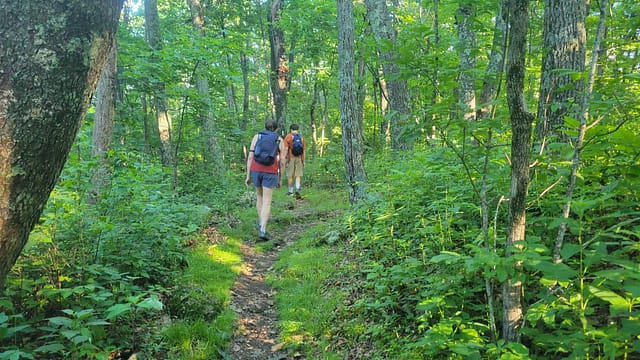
(618, 303)
(50, 348)
(559, 272)
(447, 257)
(69, 334)
(98, 323)
(568, 250)
(61, 321)
(117, 310)
(151, 303)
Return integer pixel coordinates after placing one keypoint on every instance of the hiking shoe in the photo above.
(264, 236)
(298, 196)
(289, 193)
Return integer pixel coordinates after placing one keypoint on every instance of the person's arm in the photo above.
(304, 151)
(285, 151)
(252, 147)
(282, 153)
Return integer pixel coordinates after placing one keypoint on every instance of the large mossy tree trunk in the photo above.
(51, 57)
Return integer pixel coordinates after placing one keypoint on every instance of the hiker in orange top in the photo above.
(264, 169)
(295, 149)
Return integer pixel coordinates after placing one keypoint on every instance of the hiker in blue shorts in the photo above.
(264, 170)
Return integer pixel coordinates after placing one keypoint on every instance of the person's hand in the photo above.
(247, 181)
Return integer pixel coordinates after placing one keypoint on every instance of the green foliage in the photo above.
(306, 304)
(94, 274)
(425, 265)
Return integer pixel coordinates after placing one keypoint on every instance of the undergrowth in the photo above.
(421, 272)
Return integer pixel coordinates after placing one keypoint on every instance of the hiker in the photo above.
(264, 170)
(294, 163)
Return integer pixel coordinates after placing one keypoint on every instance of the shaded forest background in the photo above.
(418, 130)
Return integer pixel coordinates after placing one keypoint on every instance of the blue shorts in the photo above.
(263, 179)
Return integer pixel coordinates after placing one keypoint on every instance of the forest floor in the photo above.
(253, 299)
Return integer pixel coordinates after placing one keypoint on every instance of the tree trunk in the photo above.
(214, 153)
(494, 70)
(279, 65)
(434, 77)
(579, 141)
(103, 121)
(521, 121)
(313, 118)
(244, 66)
(51, 57)
(398, 91)
(564, 41)
(466, 47)
(351, 124)
(154, 37)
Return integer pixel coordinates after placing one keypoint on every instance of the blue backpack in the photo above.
(267, 147)
(297, 148)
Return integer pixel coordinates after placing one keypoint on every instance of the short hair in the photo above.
(270, 125)
(294, 127)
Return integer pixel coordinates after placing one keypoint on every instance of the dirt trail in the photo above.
(254, 301)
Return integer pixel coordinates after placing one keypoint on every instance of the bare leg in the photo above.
(265, 210)
(259, 202)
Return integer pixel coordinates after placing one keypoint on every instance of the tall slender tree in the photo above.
(161, 106)
(579, 141)
(51, 58)
(564, 44)
(397, 89)
(103, 122)
(351, 124)
(493, 72)
(214, 153)
(466, 51)
(521, 121)
(280, 76)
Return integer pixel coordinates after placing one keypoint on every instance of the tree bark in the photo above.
(51, 57)
(466, 47)
(313, 117)
(521, 121)
(244, 66)
(154, 37)
(279, 64)
(398, 90)
(351, 124)
(564, 41)
(579, 141)
(103, 122)
(205, 111)
(494, 70)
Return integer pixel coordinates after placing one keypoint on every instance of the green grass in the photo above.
(200, 339)
(213, 269)
(305, 310)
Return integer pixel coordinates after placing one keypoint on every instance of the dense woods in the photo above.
(479, 161)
